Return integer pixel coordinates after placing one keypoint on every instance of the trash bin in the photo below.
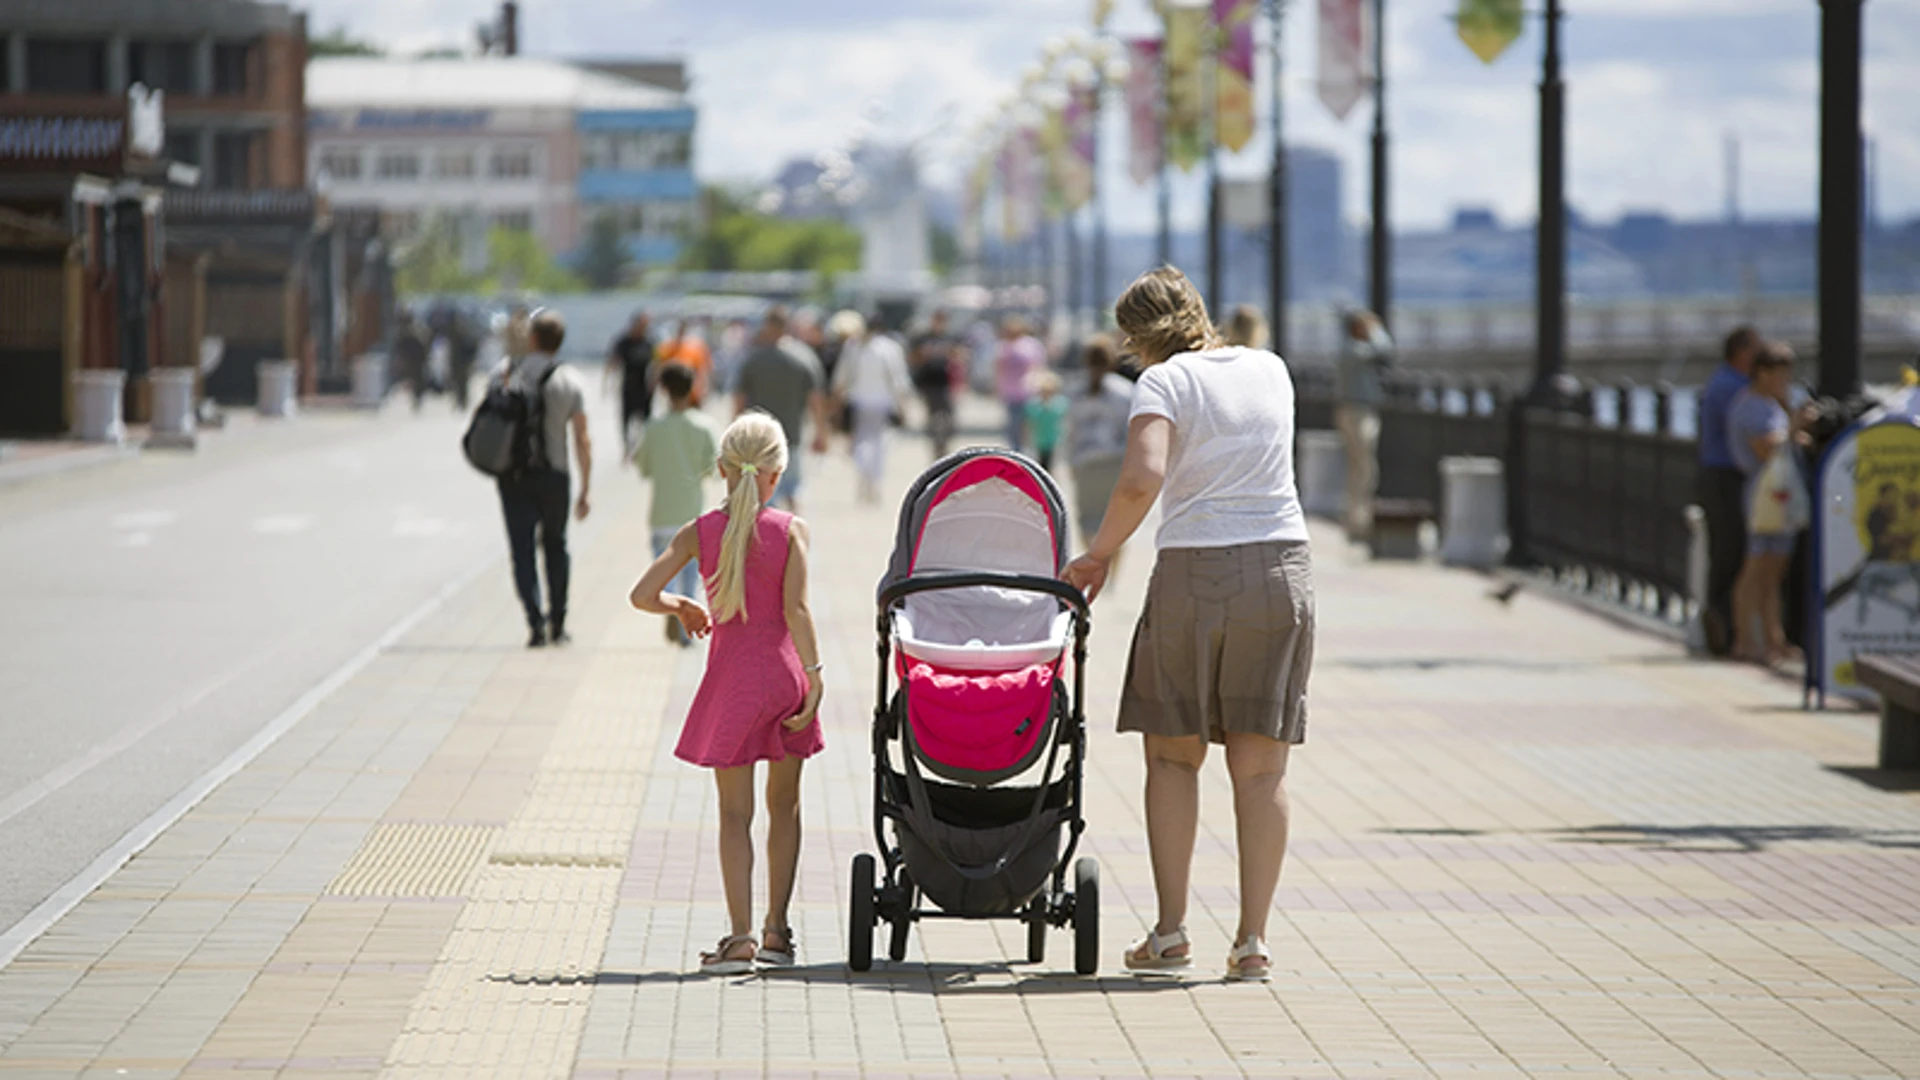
(369, 380)
(1323, 474)
(173, 409)
(1473, 529)
(99, 405)
(277, 381)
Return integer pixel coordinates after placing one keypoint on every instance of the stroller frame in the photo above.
(887, 892)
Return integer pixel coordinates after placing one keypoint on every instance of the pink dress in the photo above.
(753, 680)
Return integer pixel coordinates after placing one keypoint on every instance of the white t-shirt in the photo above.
(1230, 470)
(873, 373)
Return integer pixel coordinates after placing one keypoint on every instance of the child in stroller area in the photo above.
(760, 697)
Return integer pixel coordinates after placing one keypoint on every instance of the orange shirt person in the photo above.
(688, 349)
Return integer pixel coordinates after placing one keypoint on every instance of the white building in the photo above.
(510, 142)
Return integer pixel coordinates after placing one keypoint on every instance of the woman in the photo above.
(1245, 327)
(1097, 435)
(1225, 643)
(871, 378)
(1758, 427)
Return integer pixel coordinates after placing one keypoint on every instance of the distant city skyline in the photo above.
(1654, 89)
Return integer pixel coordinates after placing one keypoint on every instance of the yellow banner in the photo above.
(1187, 31)
(1233, 73)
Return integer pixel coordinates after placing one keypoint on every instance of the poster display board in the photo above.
(1866, 552)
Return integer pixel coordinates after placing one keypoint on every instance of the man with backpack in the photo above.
(520, 436)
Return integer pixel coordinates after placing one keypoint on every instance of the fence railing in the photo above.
(1603, 483)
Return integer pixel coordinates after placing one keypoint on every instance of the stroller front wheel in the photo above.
(860, 926)
(1086, 916)
(902, 919)
(1037, 930)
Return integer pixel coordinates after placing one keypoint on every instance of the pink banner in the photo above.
(1233, 78)
(1143, 108)
(1344, 70)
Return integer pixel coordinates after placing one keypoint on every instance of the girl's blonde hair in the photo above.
(754, 445)
(1163, 315)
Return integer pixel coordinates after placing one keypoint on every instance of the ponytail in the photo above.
(752, 445)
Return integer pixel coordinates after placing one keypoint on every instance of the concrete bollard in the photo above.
(277, 382)
(173, 409)
(1698, 554)
(99, 405)
(1322, 474)
(1473, 531)
(369, 380)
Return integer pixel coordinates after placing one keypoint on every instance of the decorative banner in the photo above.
(1053, 158)
(1020, 184)
(1143, 109)
(1233, 74)
(974, 215)
(1866, 536)
(1187, 31)
(1082, 113)
(1489, 26)
(1346, 70)
(1102, 15)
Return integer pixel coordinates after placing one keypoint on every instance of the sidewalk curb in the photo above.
(65, 461)
(17, 937)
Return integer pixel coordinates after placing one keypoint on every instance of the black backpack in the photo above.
(507, 435)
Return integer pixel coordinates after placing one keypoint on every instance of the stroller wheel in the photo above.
(902, 921)
(1037, 930)
(860, 928)
(1086, 916)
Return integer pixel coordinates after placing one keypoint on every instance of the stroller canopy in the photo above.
(981, 510)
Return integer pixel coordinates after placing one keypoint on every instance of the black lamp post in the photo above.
(1840, 197)
(1277, 192)
(1381, 254)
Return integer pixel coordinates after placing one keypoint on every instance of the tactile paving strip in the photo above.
(405, 859)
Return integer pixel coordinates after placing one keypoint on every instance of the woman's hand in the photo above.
(693, 616)
(809, 708)
(1088, 574)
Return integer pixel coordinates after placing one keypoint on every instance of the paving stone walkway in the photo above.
(1527, 842)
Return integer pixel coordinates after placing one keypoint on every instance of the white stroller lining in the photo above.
(989, 526)
(982, 628)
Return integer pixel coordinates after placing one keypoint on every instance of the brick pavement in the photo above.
(1526, 843)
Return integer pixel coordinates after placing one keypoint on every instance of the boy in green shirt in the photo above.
(678, 452)
(1046, 415)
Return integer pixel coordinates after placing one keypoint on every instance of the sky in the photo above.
(1654, 90)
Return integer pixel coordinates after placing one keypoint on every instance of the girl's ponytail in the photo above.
(753, 445)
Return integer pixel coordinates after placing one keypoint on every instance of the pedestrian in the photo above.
(1020, 355)
(1245, 327)
(1723, 486)
(782, 377)
(1365, 356)
(936, 361)
(760, 697)
(630, 359)
(686, 347)
(1224, 643)
(872, 381)
(677, 453)
(735, 340)
(1046, 416)
(1760, 427)
(535, 501)
(1097, 435)
(465, 355)
(410, 351)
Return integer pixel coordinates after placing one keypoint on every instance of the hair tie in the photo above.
(749, 469)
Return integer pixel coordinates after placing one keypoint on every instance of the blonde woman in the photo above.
(760, 697)
(1225, 643)
(1245, 327)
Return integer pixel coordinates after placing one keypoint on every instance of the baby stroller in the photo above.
(975, 625)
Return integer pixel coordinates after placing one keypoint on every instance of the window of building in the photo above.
(668, 218)
(512, 163)
(162, 65)
(183, 145)
(232, 160)
(66, 66)
(341, 162)
(397, 165)
(230, 68)
(454, 165)
(514, 220)
(636, 151)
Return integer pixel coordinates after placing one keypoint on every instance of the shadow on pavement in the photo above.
(1702, 839)
(1894, 780)
(935, 979)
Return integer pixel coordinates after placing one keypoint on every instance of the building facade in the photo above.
(505, 142)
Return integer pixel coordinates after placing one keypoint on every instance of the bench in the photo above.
(1396, 527)
(1896, 678)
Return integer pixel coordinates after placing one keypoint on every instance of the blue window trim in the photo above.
(599, 120)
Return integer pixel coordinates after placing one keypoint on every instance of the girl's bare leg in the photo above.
(783, 843)
(736, 845)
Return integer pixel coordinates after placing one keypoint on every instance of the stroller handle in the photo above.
(964, 579)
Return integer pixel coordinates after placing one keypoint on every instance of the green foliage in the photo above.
(432, 265)
(943, 248)
(604, 263)
(337, 42)
(738, 238)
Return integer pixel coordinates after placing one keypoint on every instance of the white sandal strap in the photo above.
(1247, 950)
(1157, 944)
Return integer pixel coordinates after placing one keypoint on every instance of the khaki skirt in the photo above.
(1225, 643)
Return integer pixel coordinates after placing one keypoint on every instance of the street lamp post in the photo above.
(1840, 198)
(1277, 191)
(1550, 296)
(1380, 262)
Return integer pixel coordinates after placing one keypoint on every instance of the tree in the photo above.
(337, 42)
(738, 238)
(605, 261)
(432, 264)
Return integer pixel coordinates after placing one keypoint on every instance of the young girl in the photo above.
(760, 698)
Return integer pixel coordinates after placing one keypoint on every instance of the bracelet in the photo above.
(812, 668)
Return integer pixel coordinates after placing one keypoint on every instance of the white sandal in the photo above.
(777, 957)
(1251, 949)
(721, 961)
(1156, 946)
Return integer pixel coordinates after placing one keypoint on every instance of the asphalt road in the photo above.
(158, 612)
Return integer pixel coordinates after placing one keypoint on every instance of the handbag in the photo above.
(1780, 501)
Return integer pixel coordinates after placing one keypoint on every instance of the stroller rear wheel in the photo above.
(1037, 930)
(860, 926)
(1086, 916)
(902, 919)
